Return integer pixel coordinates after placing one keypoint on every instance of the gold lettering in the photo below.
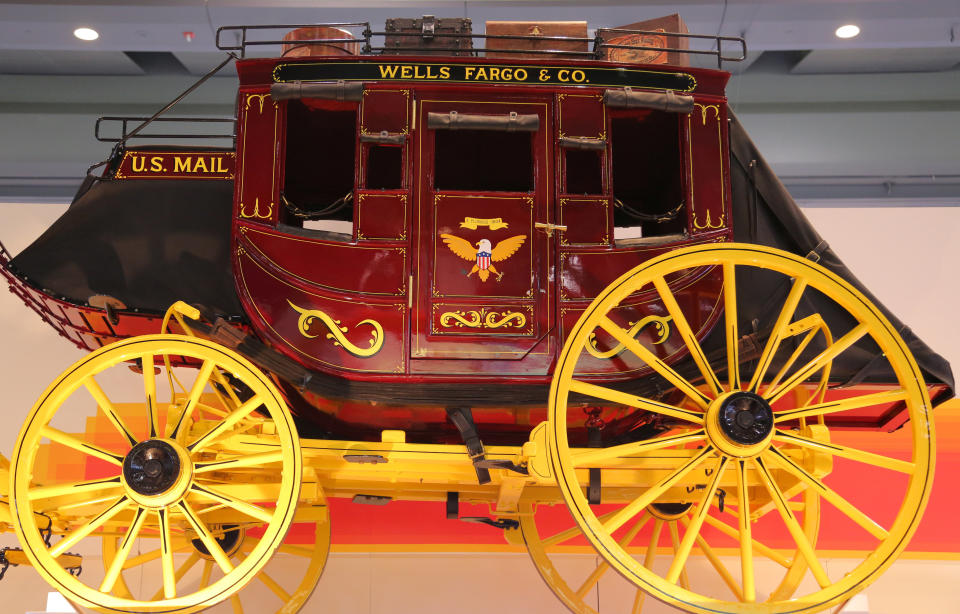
(520, 75)
(482, 74)
(563, 74)
(182, 165)
(444, 72)
(494, 74)
(220, 168)
(142, 165)
(406, 72)
(156, 164)
(544, 74)
(387, 72)
(201, 164)
(416, 72)
(468, 72)
(430, 74)
(507, 74)
(578, 76)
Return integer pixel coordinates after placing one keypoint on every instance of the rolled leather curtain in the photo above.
(513, 122)
(351, 91)
(669, 100)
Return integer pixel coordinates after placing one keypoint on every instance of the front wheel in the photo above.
(220, 458)
(756, 434)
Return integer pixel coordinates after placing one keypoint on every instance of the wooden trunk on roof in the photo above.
(420, 36)
(651, 42)
(534, 30)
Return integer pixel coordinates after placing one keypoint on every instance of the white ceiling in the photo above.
(814, 103)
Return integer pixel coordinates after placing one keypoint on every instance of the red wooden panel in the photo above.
(587, 221)
(706, 127)
(382, 215)
(346, 267)
(256, 191)
(385, 110)
(321, 330)
(582, 115)
(470, 319)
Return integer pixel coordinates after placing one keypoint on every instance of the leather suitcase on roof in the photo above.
(532, 31)
(670, 23)
(418, 36)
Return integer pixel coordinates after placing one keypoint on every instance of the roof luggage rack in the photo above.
(126, 132)
(600, 41)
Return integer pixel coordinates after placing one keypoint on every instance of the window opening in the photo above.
(583, 171)
(319, 168)
(384, 168)
(483, 161)
(647, 175)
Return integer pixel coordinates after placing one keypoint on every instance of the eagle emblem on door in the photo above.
(484, 254)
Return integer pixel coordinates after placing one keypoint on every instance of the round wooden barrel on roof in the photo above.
(294, 48)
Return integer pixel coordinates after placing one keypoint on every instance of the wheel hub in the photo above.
(740, 424)
(669, 511)
(156, 472)
(230, 541)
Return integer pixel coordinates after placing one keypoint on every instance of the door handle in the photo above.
(549, 228)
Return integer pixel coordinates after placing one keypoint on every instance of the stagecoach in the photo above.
(519, 269)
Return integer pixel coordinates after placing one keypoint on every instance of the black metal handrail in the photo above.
(598, 43)
(126, 120)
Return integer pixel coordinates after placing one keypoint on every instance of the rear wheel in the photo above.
(755, 430)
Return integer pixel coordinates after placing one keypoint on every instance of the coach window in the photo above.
(319, 168)
(646, 174)
(483, 161)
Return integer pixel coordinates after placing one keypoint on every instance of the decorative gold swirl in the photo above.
(307, 316)
(483, 319)
(662, 329)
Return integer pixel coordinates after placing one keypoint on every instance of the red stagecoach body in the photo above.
(411, 233)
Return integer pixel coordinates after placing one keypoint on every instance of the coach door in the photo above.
(480, 271)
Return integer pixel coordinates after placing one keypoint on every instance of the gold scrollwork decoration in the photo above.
(307, 316)
(662, 330)
(708, 225)
(256, 215)
(483, 319)
(260, 98)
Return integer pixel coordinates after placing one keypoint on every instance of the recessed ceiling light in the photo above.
(848, 31)
(86, 34)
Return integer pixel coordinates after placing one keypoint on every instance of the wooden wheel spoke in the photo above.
(693, 529)
(653, 493)
(182, 571)
(869, 458)
(811, 333)
(730, 318)
(208, 540)
(236, 605)
(852, 512)
(599, 456)
(56, 490)
(71, 539)
(81, 446)
(799, 537)
(116, 566)
(648, 560)
(106, 406)
(623, 398)
(717, 563)
(205, 575)
(570, 533)
(251, 460)
(778, 333)
(687, 334)
(199, 384)
(839, 405)
(602, 568)
(692, 392)
(746, 536)
(761, 548)
(683, 580)
(150, 392)
(241, 506)
(166, 556)
(274, 586)
(142, 559)
(226, 424)
(819, 362)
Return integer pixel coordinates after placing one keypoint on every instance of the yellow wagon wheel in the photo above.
(275, 590)
(577, 591)
(158, 481)
(741, 435)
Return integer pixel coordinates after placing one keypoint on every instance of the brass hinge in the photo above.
(549, 228)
